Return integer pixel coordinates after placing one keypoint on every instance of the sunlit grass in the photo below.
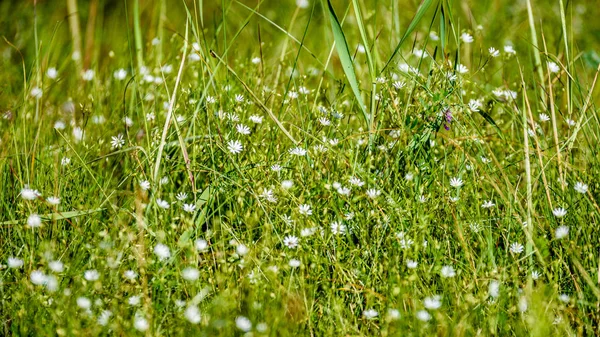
(193, 168)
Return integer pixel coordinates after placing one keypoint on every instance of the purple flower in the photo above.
(448, 116)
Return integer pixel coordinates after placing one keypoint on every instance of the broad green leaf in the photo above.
(346, 60)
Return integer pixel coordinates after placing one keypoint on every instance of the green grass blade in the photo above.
(413, 24)
(346, 59)
(56, 216)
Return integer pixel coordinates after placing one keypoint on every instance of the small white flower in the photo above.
(77, 134)
(56, 266)
(393, 314)
(241, 249)
(456, 182)
(128, 121)
(466, 37)
(509, 49)
(104, 317)
(201, 245)
(120, 74)
(356, 182)
(516, 248)
(423, 315)
(130, 274)
(420, 53)
(434, 36)
(488, 204)
(295, 263)
(298, 151)
(29, 194)
(181, 196)
(256, 119)
(190, 274)
(462, 69)
(145, 185)
(581, 187)
(494, 288)
(233, 117)
(337, 228)
(564, 298)
(243, 323)
(373, 193)
(140, 323)
(433, 302)
(474, 105)
(268, 195)
(234, 146)
(88, 75)
(14, 262)
(52, 73)
(399, 84)
(493, 52)
(411, 264)
(475, 227)
(239, 98)
(308, 231)
(287, 184)
(302, 3)
(305, 209)
(304, 90)
(571, 122)
(65, 161)
(189, 208)
(34, 221)
(559, 212)
(162, 251)
(38, 278)
(163, 204)
(447, 271)
(59, 125)
(36, 92)
(192, 314)
(242, 129)
(535, 275)
(91, 275)
(291, 241)
(324, 121)
(554, 68)
(544, 118)
(561, 232)
(370, 314)
(276, 168)
(54, 201)
(84, 303)
(117, 141)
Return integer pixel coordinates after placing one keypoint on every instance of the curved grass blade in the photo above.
(346, 59)
(413, 24)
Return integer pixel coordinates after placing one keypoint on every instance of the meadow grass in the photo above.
(299, 168)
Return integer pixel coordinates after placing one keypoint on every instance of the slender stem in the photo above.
(163, 139)
(137, 31)
(75, 32)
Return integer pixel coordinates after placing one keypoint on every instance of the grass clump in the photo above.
(305, 168)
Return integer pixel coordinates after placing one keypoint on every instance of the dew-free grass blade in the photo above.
(413, 24)
(56, 216)
(346, 59)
